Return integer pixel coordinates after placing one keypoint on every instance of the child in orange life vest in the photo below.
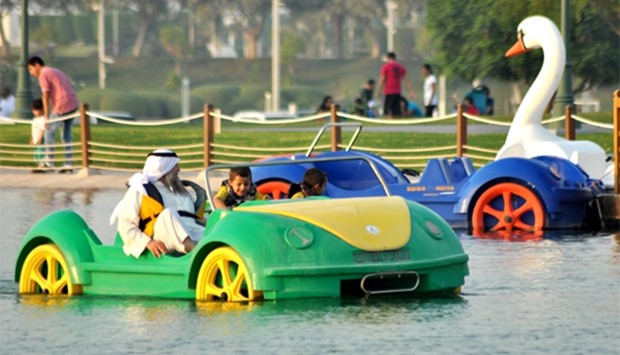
(237, 189)
(313, 185)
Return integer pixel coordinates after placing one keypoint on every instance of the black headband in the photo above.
(163, 154)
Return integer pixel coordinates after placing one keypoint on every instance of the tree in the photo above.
(609, 10)
(364, 12)
(250, 16)
(594, 47)
(290, 47)
(470, 39)
(148, 12)
(65, 7)
(174, 41)
(337, 11)
(206, 15)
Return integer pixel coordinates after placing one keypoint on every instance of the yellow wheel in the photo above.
(45, 271)
(224, 276)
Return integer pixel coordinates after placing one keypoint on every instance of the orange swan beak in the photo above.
(517, 48)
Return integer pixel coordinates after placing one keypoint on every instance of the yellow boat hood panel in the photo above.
(370, 224)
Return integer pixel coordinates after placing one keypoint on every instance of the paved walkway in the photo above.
(10, 178)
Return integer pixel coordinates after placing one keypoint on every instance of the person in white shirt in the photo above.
(7, 102)
(430, 90)
(161, 224)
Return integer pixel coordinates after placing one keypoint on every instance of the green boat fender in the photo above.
(70, 233)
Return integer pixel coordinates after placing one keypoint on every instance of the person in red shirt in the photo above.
(391, 75)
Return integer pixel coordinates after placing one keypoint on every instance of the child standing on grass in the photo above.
(313, 185)
(237, 189)
(38, 131)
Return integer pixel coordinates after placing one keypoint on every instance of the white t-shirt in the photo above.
(7, 106)
(428, 90)
(38, 130)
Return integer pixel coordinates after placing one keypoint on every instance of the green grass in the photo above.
(185, 133)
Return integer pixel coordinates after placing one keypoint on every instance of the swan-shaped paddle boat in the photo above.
(527, 137)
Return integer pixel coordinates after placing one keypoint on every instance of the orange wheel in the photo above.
(508, 207)
(275, 189)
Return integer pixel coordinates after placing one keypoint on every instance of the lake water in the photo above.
(560, 294)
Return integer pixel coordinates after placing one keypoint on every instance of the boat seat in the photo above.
(118, 241)
(446, 171)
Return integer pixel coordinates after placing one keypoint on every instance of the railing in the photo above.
(205, 151)
(616, 131)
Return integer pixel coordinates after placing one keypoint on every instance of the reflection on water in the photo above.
(615, 257)
(558, 292)
(511, 236)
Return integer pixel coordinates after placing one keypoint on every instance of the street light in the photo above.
(103, 59)
(275, 56)
(23, 95)
(564, 96)
(391, 30)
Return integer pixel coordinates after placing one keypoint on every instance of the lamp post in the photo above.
(391, 7)
(103, 58)
(275, 56)
(23, 95)
(101, 44)
(564, 96)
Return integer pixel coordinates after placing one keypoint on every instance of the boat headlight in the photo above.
(555, 172)
(299, 237)
(431, 228)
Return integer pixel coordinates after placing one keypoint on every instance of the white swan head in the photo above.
(539, 32)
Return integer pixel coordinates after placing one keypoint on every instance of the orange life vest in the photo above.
(151, 206)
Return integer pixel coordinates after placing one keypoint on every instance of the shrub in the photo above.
(131, 103)
(303, 96)
(218, 95)
(83, 30)
(92, 97)
(251, 97)
(63, 30)
(140, 105)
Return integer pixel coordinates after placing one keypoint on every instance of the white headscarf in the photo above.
(158, 163)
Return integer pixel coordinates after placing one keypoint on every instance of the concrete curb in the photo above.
(79, 180)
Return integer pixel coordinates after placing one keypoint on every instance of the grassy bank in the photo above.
(244, 136)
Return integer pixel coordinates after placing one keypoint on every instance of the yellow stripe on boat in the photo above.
(371, 223)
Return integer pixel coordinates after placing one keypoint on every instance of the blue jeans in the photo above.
(50, 138)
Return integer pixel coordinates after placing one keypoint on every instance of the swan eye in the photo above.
(521, 35)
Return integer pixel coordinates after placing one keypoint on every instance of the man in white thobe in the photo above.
(172, 230)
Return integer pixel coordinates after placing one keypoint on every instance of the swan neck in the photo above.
(533, 106)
